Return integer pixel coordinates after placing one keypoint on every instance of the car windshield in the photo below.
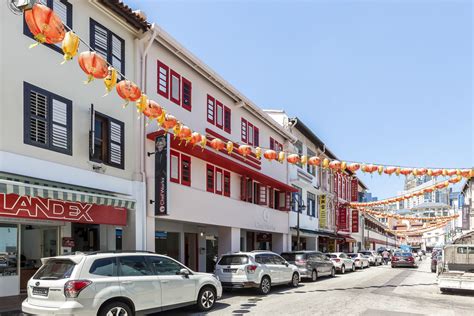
(292, 256)
(233, 260)
(353, 255)
(55, 269)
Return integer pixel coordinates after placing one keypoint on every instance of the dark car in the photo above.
(311, 264)
(434, 261)
(403, 259)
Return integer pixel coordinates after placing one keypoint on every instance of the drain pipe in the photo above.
(143, 130)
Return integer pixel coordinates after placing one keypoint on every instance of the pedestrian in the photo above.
(385, 256)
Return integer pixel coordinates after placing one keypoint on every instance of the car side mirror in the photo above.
(184, 272)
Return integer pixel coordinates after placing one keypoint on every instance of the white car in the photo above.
(374, 258)
(259, 269)
(342, 262)
(117, 284)
(361, 261)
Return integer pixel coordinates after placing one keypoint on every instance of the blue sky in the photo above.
(387, 82)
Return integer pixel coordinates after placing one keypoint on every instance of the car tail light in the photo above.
(336, 260)
(411, 259)
(251, 268)
(300, 262)
(394, 259)
(74, 287)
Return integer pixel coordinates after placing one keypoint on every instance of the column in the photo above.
(229, 240)
(150, 233)
(181, 247)
(202, 252)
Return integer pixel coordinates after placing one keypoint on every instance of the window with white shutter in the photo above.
(108, 44)
(64, 10)
(108, 138)
(47, 120)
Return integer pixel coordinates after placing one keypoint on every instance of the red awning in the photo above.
(222, 161)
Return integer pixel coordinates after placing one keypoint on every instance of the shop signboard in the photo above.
(342, 218)
(322, 211)
(22, 206)
(355, 221)
(354, 190)
(264, 237)
(161, 175)
(465, 216)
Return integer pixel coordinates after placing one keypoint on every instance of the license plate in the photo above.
(230, 270)
(40, 291)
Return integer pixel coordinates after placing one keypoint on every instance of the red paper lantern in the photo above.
(271, 155)
(153, 110)
(369, 168)
(390, 170)
(451, 172)
(406, 171)
(195, 138)
(45, 25)
(293, 158)
(455, 179)
(169, 122)
(185, 133)
(436, 172)
(94, 65)
(335, 165)
(217, 144)
(244, 150)
(353, 167)
(466, 173)
(314, 161)
(128, 91)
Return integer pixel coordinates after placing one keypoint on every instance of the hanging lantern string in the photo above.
(296, 156)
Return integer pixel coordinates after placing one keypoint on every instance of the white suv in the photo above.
(117, 284)
(257, 269)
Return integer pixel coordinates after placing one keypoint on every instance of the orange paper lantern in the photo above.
(217, 144)
(153, 110)
(406, 171)
(451, 172)
(195, 138)
(185, 133)
(293, 158)
(271, 155)
(353, 167)
(335, 165)
(169, 122)
(45, 25)
(94, 65)
(390, 170)
(244, 150)
(314, 161)
(128, 91)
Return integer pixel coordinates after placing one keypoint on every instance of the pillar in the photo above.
(181, 247)
(229, 240)
(202, 252)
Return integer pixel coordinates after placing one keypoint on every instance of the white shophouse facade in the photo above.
(56, 195)
(216, 202)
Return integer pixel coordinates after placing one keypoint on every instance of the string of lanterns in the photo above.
(417, 231)
(408, 218)
(47, 27)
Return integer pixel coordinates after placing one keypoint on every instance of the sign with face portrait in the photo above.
(161, 175)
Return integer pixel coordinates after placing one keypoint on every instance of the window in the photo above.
(8, 250)
(175, 87)
(227, 119)
(163, 75)
(263, 194)
(55, 269)
(63, 9)
(249, 133)
(275, 145)
(164, 266)
(243, 130)
(185, 170)
(219, 114)
(210, 178)
(219, 180)
(256, 136)
(299, 196)
(186, 95)
(108, 44)
(107, 140)
(311, 204)
(134, 266)
(47, 120)
(299, 150)
(226, 183)
(174, 166)
(210, 109)
(104, 267)
(309, 168)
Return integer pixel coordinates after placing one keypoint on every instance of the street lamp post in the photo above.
(301, 207)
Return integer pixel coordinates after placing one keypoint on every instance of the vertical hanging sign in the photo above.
(161, 175)
(342, 218)
(355, 221)
(322, 211)
(354, 190)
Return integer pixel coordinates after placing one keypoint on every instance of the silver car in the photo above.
(342, 262)
(311, 264)
(361, 261)
(374, 258)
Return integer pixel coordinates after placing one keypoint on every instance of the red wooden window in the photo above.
(227, 119)
(186, 97)
(185, 170)
(226, 183)
(210, 178)
(287, 201)
(270, 198)
(263, 194)
(256, 136)
(243, 191)
(219, 180)
(272, 143)
(250, 133)
(163, 79)
(219, 114)
(175, 87)
(211, 109)
(174, 166)
(249, 188)
(243, 130)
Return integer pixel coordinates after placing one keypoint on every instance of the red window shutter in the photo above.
(219, 177)
(185, 170)
(176, 99)
(287, 201)
(256, 136)
(227, 119)
(243, 188)
(272, 143)
(249, 188)
(186, 95)
(163, 74)
(226, 183)
(219, 114)
(243, 130)
(210, 178)
(211, 108)
(263, 194)
(174, 165)
(270, 197)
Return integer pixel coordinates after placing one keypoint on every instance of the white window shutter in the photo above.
(59, 128)
(100, 41)
(116, 143)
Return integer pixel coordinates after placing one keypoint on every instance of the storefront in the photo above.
(38, 221)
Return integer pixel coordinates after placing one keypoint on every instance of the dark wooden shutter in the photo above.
(116, 143)
(185, 170)
(38, 125)
(210, 178)
(256, 136)
(226, 183)
(272, 143)
(243, 188)
(187, 94)
(227, 119)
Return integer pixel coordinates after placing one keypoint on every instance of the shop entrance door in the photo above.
(211, 253)
(86, 237)
(191, 251)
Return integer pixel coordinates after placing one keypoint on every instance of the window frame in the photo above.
(27, 89)
(178, 76)
(162, 65)
(243, 130)
(184, 82)
(263, 197)
(211, 109)
(175, 154)
(110, 34)
(185, 158)
(226, 188)
(219, 108)
(216, 182)
(227, 118)
(210, 172)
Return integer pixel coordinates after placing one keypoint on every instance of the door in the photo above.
(138, 282)
(285, 273)
(86, 237)
(191, 251)
(268, 264)
(321, 264)
(176, 288)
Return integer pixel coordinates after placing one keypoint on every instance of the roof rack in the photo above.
(117, 251)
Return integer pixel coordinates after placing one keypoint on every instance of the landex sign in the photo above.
(22, 206)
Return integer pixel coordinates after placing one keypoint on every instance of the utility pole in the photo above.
(300, 207)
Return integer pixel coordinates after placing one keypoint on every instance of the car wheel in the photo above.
(333, 272)
(295, 280)
(115, 309)
(206, 298)
(343, 269)
(265, 285)
(314, 276)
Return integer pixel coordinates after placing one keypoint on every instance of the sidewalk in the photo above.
(11, 305)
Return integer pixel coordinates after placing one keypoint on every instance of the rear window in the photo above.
(233, 260)
(292, 256)
(403, 254)
(353, 255)
(55, 269)
(331, 256)
(367, 253)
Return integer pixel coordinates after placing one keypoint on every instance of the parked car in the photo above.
(456, 272)
(375, 258)
(111, 283)
(403, 259)
(342, 262)
(256, 269)
(437, 258)
(360, 261)
(311, 264)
